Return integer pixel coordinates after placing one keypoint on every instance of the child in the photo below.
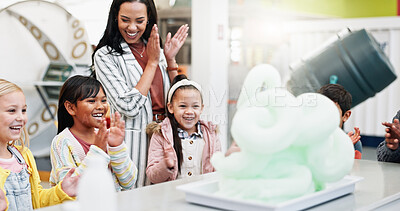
(82, 109)
(388, 150)
(342, 98)
(19, 177)
(181, 145)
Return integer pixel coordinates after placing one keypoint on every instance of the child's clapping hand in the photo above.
(117, 130)
(70, 184)
(354, 136)
(101, 136)
(168, 157)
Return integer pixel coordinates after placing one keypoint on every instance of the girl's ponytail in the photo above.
(174, 125)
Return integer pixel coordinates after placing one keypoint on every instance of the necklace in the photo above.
(141, 54)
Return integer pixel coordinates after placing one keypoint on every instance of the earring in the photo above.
(147, 22)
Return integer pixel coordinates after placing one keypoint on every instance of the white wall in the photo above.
(210, 58)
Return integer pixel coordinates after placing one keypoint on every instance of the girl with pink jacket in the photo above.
(182, 145)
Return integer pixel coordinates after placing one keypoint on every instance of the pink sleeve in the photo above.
(217, 143)
(157, 170)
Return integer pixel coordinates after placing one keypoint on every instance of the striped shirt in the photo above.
(119, 75)
(66, 153)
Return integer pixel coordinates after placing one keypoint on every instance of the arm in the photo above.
(3, 200)
(392, 130)
(127, 101)
(122, 166)
(388, 150)
(110, 73)
(64, 158)
(387, 155)
(354, 136)
(44, 197)
(233, 148)
(172, 47)
(153, 52)
(157, 169)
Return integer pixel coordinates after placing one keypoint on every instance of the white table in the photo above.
(380, 190)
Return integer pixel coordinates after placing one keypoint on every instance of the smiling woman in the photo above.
(135, 72)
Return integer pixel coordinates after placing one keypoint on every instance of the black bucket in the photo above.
(354, 61)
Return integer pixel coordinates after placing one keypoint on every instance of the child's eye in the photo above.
(91, 101)
(24, 110)
(182, 106)
(11, 110)
(125, 20)
(140, 22)
(104, 100)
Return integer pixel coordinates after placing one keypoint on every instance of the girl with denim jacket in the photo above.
(19, 177)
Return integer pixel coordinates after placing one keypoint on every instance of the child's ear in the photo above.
(70, 108)
(346, 116)
(170, 108)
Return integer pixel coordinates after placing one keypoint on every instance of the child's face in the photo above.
(91, 112)
(12, 116)
(186, 107)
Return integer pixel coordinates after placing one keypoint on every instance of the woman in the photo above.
(135, 72)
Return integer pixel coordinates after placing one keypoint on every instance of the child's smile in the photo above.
(91, 111)
(186, 107)
(12, 115)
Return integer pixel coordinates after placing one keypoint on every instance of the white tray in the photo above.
(202, 192)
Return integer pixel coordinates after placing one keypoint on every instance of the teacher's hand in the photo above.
(174, 44)
(153, 46)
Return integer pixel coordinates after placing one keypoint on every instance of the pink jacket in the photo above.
(157, 170)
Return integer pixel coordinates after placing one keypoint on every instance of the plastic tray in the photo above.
(202, 193)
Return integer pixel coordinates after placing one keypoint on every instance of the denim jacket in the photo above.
(40, 197)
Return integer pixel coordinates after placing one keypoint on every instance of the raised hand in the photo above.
(355, 137)
(70, 184)
(101, 136)
(392, 130)
(174, 44)
(392, 134)
(117, 130)
(168, 157)
(392, 144)
(153, 46)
